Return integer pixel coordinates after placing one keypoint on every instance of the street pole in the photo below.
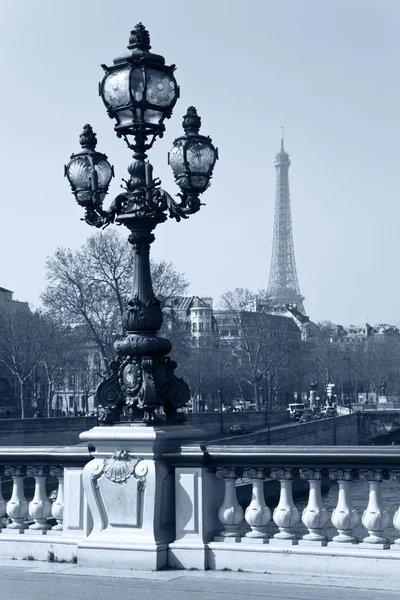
(350, 409)
(317, 360)
(221, 401)
(349, 365)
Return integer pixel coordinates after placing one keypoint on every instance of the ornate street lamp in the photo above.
(139, 92)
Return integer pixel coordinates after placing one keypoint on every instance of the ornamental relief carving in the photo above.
(15, 471)
(256, 474)
(343, 474)
(284, 474)
(228, 473)
(374, 475)
(121, 466)
(313, 474)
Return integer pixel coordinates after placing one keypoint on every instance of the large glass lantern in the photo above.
(139, 90)
(89, 172)
(193, 156)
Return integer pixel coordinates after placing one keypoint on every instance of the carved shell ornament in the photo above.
(121, 466)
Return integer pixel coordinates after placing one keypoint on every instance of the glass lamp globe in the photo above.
(193, 156)
(89, 173)
(139, 90)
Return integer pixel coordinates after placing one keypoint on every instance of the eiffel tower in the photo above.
(283, 284)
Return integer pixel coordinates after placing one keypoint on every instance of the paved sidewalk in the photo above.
(31, 580)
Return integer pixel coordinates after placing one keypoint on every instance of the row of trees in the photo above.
(265, 363)
(82, 308)
(35, 351)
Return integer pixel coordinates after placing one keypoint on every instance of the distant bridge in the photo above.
(343, 430)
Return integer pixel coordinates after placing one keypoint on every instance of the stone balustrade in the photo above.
(255, 537)
(167, 504)
(33, 503)
(257, 516)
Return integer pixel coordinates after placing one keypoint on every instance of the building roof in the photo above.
(185, 303)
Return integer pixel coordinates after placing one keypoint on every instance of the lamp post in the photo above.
(139, 91)
(221, 396)
(317, 361)
(349, 365)
(267, 414)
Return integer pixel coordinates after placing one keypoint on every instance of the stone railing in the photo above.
(50, 523)
(142, 500)
(215, 530)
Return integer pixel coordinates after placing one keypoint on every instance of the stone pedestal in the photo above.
(130, 493)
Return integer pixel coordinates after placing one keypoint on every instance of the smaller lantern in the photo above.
(89, 173)
(193, 156)
(139, 90)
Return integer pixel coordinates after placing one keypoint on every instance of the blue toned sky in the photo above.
(327, 71)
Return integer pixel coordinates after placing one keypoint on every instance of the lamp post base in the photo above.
(130, 494)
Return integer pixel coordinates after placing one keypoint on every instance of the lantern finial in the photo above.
(139, 38)
(191, 121)
(88, 139)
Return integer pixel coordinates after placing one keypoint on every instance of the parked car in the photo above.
(241, 429)
(330, 412)
(296, 409)
(318, 415)
(307, 416)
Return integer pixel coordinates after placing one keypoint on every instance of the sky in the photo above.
(326, 71)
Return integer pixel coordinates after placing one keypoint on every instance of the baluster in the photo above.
(286, 516)
(344, 516)
(2, 501)
(257, 514)
(17, 506)
(40, 506)
(374, 518)
(57, 509)
(314, 516)
(231, 513)
(395, 476)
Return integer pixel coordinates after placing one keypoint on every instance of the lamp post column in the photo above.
(221, 400)
(349, 374)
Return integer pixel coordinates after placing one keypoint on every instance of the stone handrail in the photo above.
(168, 503)
(30, 468)
(211, 473)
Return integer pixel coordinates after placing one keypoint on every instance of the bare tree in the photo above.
(264, 338)
(59, 352)
(20, 351)
(88, 288)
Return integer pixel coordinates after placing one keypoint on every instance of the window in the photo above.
(200, 313)
(71, 401)
(207, 326)
(71, 381)
(194, 327)
(234, 333)
(201, 326)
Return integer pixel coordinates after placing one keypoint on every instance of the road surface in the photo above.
(32, 580)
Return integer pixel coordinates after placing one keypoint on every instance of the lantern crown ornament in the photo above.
(139, 38)
(139, 92)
